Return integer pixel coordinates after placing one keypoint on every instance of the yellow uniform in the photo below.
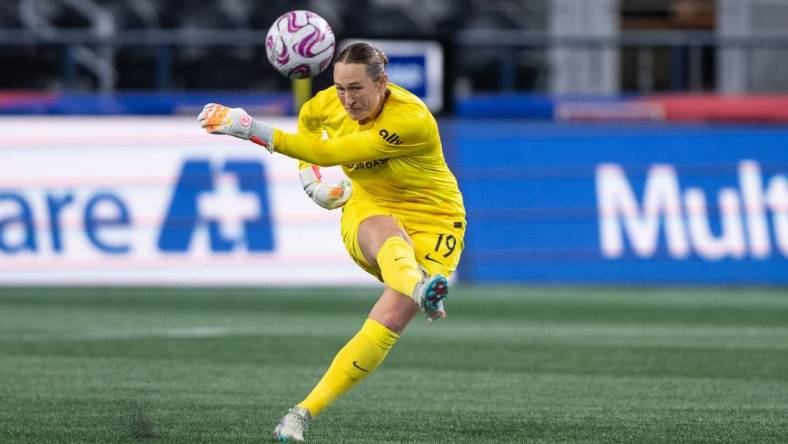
(396, 165)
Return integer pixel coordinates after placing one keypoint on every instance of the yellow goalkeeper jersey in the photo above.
(394, 161)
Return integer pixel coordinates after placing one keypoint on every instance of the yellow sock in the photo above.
(358, 358)
(398, 266)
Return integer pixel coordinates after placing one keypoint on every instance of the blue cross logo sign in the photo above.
(230, 202)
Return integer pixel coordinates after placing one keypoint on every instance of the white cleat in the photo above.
(429, 295)
(293, 425)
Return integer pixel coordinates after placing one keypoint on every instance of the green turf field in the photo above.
(509, 365)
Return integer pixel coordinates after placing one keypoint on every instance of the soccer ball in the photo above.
(300, 44)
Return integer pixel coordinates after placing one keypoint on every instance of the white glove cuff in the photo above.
(309, 176)
(262, 134)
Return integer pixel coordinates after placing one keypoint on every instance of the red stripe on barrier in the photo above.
(44, 265)
(723, 108)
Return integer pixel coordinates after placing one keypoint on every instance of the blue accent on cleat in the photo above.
(437, 290)
(429, 295)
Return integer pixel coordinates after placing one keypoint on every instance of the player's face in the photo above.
(361, 96)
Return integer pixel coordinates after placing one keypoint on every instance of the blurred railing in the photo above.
(687, 66)
(163, 40)
(508, 42)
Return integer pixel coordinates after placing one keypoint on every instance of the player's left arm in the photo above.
(328, 196)
(402, 135)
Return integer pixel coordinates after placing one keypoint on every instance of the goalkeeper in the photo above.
(403, 218)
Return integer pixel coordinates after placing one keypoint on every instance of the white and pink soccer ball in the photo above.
(300, 44)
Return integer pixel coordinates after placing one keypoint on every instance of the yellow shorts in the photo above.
(437, 243)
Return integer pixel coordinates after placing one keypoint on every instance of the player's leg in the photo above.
(367, 349)
(354, 362)
(380, 246)
(437, 248)
(361, 355)
(386, 245)
(357, 359)
(394, 310)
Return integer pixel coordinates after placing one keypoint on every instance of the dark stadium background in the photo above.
(623, 164)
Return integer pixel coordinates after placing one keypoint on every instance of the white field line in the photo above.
(189, 332)
(765, 338)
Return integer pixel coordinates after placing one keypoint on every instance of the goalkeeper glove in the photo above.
(324, 195)
(219, 119)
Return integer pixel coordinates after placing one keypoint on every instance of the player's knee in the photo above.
(394, 310)
(395, 322)
(377, 229)
(373, 240)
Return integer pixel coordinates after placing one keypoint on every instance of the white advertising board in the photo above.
(157, 201)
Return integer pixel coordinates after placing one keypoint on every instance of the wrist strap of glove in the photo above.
(262, 134)
(310, 175)
(310, 180)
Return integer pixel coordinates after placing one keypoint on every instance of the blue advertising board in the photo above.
(610, 204)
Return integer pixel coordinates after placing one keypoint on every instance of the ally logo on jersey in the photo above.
(390, 137)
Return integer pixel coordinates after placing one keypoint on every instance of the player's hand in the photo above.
(328, 197)
(219, 119)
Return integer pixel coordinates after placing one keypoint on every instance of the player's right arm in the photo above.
(219, 119)
(400, 135)
(361, 146)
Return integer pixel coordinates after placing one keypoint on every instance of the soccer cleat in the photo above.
(429, 295)
(293, 425)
